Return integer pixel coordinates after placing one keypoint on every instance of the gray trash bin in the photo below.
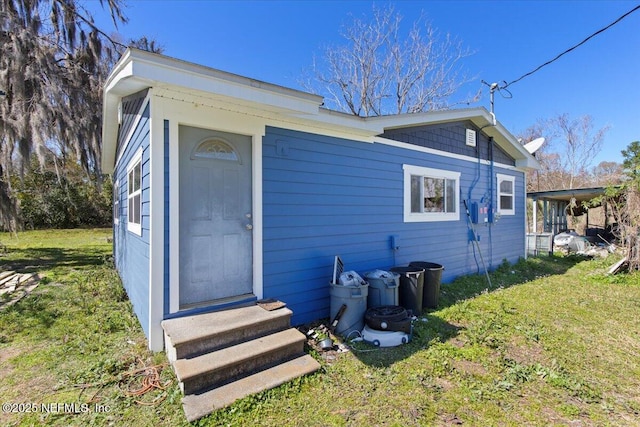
(432, 278)
(383, 288)
(411, 288)
(355, 298)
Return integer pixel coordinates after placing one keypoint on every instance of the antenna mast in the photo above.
(492, 90)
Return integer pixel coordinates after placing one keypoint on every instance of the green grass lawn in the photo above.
(554, 342)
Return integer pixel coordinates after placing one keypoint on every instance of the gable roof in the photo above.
(138, 70)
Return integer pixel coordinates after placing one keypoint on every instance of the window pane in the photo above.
(451, 196)
(215, 149)
(134, 211)
(136, 203)
(415, 193)
(130, 181)
(433, 195)
(506, 202)
(506, 187)
(136, 179)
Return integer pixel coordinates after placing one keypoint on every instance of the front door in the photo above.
(216, 243)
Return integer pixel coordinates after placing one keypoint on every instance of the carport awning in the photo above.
(557, 204)
(579, 194)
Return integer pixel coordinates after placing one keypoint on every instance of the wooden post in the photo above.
(535, 215)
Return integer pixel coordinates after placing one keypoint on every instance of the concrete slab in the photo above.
(217, 367)
(184, 329)
(193, 335)
(199, 405)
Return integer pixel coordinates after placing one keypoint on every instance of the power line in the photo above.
(572, 48)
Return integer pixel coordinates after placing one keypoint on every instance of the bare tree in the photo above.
(608, 173)
(579, 143)
(381, 70)
(566, 159)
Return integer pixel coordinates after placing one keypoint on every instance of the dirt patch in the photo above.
(9, 353)
(529, 353)
(6, 354)
(443, 384)
(457, 342)
(468, 367)
(451, 420)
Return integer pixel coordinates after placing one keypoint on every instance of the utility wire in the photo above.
(572, 48)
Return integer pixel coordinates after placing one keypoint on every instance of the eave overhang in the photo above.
(138, 70)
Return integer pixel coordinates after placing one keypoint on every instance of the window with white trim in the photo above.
(116, 202)
(430, 194)
(134, 194)
(506, 194)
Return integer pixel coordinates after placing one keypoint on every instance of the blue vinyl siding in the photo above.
(326, 196)
(131, 250)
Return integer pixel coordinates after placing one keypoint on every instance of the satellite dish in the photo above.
(534, 145)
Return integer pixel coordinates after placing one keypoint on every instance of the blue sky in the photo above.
(275, 41)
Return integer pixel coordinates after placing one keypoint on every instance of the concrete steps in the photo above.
(223, 356)
(199, 405)
(190, 336)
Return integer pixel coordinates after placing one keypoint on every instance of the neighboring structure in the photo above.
(229, 190)
(558, 205)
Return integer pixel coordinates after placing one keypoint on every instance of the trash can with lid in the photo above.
(355, 299)
(411, 288)
(383, 288)
(432, 278)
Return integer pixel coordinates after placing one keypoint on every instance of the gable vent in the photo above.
(471, 138)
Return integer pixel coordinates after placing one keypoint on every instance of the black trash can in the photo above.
(411, 286)
(432, 278)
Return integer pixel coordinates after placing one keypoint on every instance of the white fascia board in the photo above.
(159, 70)
(429, 117)
(115, 88)
(421, 149)
(109, 132)
(505, 140)
(138, 70)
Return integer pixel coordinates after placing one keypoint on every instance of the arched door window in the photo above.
(215, 149)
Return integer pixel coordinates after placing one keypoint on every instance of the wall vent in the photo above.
(471, 138)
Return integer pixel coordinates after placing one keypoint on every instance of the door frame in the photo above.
(208, 117)
(218, 224)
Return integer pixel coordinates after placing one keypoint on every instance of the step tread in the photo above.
(235, 355)
(188, 329)
(199, 405)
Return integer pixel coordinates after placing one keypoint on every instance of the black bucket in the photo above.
(411, 285)
(432, 278)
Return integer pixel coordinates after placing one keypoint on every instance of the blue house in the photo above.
(230, 190)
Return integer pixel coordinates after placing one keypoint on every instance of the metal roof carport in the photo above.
(555, 204)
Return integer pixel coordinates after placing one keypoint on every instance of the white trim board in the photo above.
(156, 232)
(413, 147)
(409, 216)
(179, 113)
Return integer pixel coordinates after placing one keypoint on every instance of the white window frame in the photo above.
(132, 193)
(116, 202)
(500, 178)
(411, 170)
